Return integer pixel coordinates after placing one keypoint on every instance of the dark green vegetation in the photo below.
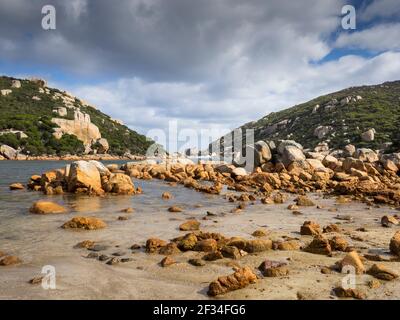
(379, 108)
(19, 112)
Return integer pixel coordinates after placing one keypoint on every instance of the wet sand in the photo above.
(42, 242)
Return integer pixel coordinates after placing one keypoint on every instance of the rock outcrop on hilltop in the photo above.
(81, 127)
(36, 120)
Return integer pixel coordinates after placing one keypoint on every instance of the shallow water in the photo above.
(38, 240)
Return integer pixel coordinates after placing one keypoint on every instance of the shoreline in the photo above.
(103, 157)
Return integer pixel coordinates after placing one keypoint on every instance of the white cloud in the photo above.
(381, 9)
(146, 105)
(378, 38)
(205, 63)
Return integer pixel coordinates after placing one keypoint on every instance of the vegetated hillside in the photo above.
(339, 118)
(30, 109)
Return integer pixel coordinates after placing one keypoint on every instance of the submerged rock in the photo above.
(86, 223)
(175, 209)
(46, 207)
(17, 186)
(304, 201)
(9, 261)
(190, 225)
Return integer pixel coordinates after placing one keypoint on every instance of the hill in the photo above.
(366, 116)
(39, 120)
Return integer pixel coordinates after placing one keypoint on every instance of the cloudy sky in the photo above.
(207, 64)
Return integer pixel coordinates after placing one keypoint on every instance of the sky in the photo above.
(200, 65)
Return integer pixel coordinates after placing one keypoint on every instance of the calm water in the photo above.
(30, 236)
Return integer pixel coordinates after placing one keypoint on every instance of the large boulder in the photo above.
(84, 175)
(366, 155)
(102, 145)
(349, 150)
(253, 155)
(103, 170)
(321, 131)
(8, 152)
(291, 154)
(285, 143)
(119, 183)
(393, 157)
(368, 135)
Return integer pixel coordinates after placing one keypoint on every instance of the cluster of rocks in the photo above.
(84, 177)
(361, 173)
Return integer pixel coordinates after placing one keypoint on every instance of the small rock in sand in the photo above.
(85, 244)
(304, 201)
(153, 244)
(373, 284)
(379, 271)
(388, 221)
(175, 209)
(310, 228)
(113, 261)
(271, 268)
(10, 260)
(169, 249)
(319, 245)
(352, 259)
(231, 252)
(395, 244)
(197, 262)
(289, 245)
(331, 228)
(190, 225)
(212, 256)
(349, 293)
(36, 280)
(206, 245)
(338, 243)
(293, 207)
(240, 279)
(259, 233)
(128, 210)
(167, 261)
